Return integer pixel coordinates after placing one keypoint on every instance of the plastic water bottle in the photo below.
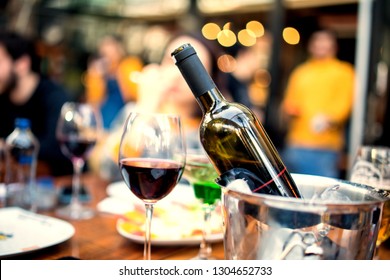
(21, 152)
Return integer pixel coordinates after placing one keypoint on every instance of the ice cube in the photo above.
(239, 185)
(331, 194)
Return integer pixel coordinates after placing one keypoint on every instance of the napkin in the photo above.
(114, 205)
(119, 200)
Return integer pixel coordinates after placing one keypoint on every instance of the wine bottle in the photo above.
(231, 134)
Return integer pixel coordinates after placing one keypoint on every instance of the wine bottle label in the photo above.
(255, 183)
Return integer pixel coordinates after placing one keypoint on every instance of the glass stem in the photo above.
(32, 190)
(78, 164)
(148, 224)
(205, 247)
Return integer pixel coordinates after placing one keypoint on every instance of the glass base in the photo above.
(76, 212)
(204, 252)
(200, 257)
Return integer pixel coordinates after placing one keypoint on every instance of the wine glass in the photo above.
(201, 174)
(77, 131)
(151, 160)
(372, 167)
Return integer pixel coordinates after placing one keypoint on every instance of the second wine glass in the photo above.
(78, 128)
(372, 167)
(201, 174)
(151, 159)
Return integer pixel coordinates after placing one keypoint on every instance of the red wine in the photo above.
(77, 148)
(232, 136)
(150, 179)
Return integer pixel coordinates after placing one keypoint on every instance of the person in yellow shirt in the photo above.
(110, 78)
(317, 104)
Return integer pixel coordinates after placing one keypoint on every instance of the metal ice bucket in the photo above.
(269, 227)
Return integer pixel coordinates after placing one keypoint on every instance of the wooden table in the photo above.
(97, 238)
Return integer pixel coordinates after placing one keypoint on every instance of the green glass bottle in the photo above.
(231, 134)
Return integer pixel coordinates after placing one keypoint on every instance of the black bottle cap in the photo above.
(182, 52)
(192, 69)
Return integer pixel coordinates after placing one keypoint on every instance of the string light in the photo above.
(291, 35)
(226, 37)
(256, 27)
(247, 37)
(210, 31)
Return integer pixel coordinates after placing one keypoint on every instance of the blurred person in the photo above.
(24, 93)
(233, 64)
(108, 81)
(162, 89)
(317, 104)
(243, 81)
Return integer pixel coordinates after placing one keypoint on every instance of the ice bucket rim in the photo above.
(378, 196)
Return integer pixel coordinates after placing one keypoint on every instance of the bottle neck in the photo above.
(197, 77)
(210, 99)
(22, 129)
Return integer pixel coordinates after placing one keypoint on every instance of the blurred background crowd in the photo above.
(100, 51)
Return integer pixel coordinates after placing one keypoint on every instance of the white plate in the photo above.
(175, 217)
(182, 194)
(23, 231)
(166, 241)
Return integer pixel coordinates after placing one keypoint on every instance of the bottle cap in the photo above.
(182, 52)
(22, 123)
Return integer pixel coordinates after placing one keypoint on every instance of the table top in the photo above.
(98, 239)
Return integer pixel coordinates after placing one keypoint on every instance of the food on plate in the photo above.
(173, 221)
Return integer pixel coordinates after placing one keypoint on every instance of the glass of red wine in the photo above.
(152, 157)
(78, 128)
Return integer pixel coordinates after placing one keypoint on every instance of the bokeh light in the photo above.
(291, 35)
(227, 38)
(246, 37)
(256, 27)
(210, 31)
(262, 78)
(227, 63)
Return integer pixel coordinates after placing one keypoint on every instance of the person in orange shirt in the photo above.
(110, 78)
(317, 104)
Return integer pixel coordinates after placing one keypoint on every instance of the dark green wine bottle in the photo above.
(232, 136)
